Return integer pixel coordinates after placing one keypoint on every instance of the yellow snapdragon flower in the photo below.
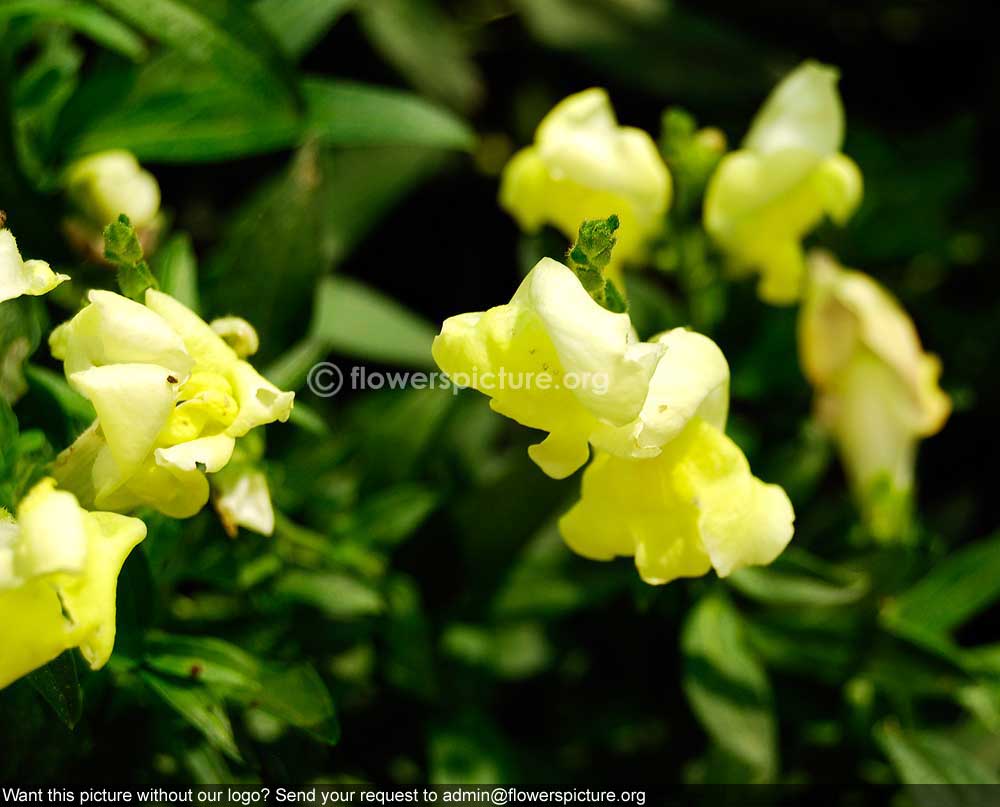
(694, 507)
(59, 567)
(766, 197)
(583, 165)
(19, 277)
(171, 398)
(107, 184)
(666, 484)
(553, 359)
(877, 390)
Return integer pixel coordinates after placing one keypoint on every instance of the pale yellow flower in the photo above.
(105, 185)
(171, 398)
(59, 567)
(765, 198)
(876, 389)
(583, 166)
(18, 277)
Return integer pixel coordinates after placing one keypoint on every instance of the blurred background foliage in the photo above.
(329, 169)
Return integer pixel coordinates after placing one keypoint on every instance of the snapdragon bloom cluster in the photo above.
(172, 395)
(666, 484)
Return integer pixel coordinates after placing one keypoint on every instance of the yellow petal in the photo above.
(694, 507)
(116, 330)
(239, 334)
(206, 454)
(52, 536)
(133, 403)
(260, 401)
(19, 277)
(243, 499)
(32, 630)
(89, 599)
(691, 380)
(803, 112)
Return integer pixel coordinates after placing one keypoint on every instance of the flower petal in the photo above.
(133, 403)
(116, 330)
(803, 112)
(693, 507)
(18, 277)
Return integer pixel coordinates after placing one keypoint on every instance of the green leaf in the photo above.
(8, 438)
(509, 651)
(176, 116)
(409, 651)
(389, 516)
(217, 32)
(337, 596)
(959, 587)
(297, 25)
(798, 578)
(426, 47)
(728, 688)
(925, 758)
(57, 682)
(20, 332)
(73, 405)
(199, 706)
(348, 113)
(83, 17)
(355, 320)
(306, 221)
(176, 268)
(294, 694)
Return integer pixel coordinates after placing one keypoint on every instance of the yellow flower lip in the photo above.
(694, 507)
(583, 165)
(195, 394)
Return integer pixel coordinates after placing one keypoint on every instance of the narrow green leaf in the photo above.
(798, 578)
(295, 694)
(300, 24)
(728, 688)
(425, 46)
(83, 17)
(57, 682)
(195, 117)
(198, 706)
(218, 32)
(959, 587)
(355, 320)
(348, 113)
(924, 758)
(336, 595)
